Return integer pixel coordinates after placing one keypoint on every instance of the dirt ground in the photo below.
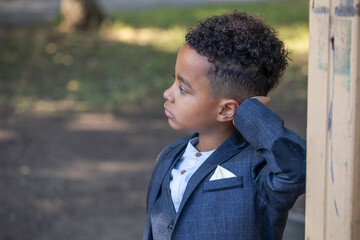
(81, 175)
(77, 176)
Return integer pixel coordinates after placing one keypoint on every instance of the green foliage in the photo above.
(45, 64)
(41, 64)
(275, 13)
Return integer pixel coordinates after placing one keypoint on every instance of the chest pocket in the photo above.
(223, 184)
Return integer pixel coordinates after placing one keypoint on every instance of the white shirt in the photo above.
(184, 169)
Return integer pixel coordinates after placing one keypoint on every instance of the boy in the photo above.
(240, 173)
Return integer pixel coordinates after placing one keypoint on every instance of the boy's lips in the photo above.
(167, 113)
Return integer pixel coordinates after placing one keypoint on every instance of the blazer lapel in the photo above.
(228, 149)
(163, 166)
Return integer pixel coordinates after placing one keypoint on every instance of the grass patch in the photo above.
(275, 13)
(43, 69)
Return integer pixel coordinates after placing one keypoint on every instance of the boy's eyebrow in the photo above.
(183, 80)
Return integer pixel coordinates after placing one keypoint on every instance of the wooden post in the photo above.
(333, 134)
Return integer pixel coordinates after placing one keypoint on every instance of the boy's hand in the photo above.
(263, 99)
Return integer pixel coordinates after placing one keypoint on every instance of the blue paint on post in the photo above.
(321, 10)
(331, 113)
(331, 166)
(347, 84)
(336, 209)
(331, 142)
(345, 10)
(342, 47)
(330, 119)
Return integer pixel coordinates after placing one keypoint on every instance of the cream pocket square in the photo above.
(221, 173)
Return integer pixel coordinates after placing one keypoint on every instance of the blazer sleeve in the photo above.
(279, 159)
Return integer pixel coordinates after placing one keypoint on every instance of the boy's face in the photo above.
(189, 105)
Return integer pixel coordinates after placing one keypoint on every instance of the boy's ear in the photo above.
(227, 110)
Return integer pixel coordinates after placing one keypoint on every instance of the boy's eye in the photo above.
(182, 90)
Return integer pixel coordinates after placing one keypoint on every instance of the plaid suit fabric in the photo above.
(269, 162)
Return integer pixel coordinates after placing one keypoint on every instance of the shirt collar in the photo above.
(190, 150)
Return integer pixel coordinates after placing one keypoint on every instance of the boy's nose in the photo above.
(168, 95)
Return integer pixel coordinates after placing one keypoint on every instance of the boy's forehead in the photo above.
(191, 60)
(192, 68)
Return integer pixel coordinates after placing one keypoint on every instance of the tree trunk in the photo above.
(80, 15)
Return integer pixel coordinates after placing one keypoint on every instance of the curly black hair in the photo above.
(247, 57)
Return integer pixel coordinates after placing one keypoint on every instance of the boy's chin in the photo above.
(177, 127)
(174, 125)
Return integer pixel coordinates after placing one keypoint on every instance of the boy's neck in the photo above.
(213, 139)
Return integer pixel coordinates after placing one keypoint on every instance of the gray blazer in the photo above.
(269, 163)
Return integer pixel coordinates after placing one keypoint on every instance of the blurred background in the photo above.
(81, 116)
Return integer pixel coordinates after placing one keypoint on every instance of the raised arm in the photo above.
(278, 169)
